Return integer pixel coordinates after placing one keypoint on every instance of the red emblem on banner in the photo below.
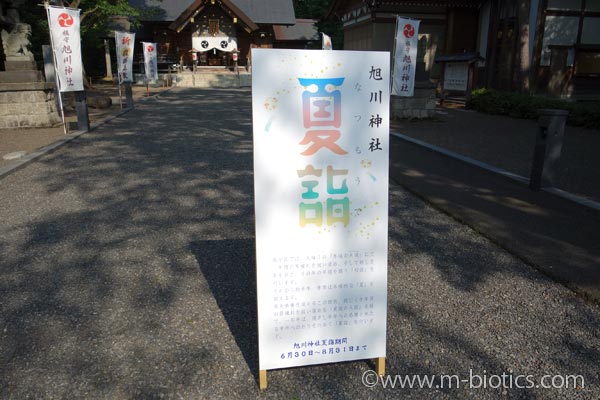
(409, 31)
(150, 48)
(65, 20)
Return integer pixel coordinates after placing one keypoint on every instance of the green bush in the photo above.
(523, 106)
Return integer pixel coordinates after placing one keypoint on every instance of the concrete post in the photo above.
(128, 95)
(83, 119)
(548, 146)
(109, 74)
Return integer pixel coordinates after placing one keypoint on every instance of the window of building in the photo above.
(590, 33)
(592, 5)
(569, 5)
(588, 62)
(561, 29)
(558, 30)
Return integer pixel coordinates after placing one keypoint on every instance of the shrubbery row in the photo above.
(524, 106)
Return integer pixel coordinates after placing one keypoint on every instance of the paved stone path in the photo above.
(127, 272)
(508, 143)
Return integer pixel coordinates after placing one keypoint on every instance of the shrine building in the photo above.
(555, 42)
(213, 33)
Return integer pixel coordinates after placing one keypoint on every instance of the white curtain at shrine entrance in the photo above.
(222, 43)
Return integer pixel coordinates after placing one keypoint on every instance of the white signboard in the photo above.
(321, 142)
(125, 42)
(405, 56)
(150, 61)
(456, 76)
(66, 43)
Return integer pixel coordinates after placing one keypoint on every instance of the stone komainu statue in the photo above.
(15, 35)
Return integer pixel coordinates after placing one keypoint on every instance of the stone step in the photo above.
(202, 80)
(206, 80)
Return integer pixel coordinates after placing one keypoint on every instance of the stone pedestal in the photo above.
(26, 100)
(28, 105)
(420, 106)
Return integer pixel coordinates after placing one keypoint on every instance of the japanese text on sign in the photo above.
(125, 42)
(321, 139)
(150, 61)
(405, 57)
(64, 30)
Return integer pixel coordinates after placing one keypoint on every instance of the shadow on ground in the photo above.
(536, 226)
(128, 271)
(229, 268)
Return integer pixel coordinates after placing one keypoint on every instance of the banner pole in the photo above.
(62, 108)
(394, 58)
(120, 95)
(66, 8)
(56, 80)
(118, 72)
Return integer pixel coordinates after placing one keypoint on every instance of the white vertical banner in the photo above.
(125, 42)
(321, 155)
(150, 61)
(327, 45)
(64, 26)
(405, 56)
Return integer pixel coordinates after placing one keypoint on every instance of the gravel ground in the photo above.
(31, 139)
(127, 272)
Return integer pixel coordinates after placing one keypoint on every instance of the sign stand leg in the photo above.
(83, 119)
(62, 109)
(262, 379)
(380, 366)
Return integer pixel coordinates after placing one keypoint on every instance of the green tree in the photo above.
(97, 13)
(312, 9)
(95, 27)
(317, 10)
(95, 19)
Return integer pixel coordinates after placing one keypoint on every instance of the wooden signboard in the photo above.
(456, 76)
